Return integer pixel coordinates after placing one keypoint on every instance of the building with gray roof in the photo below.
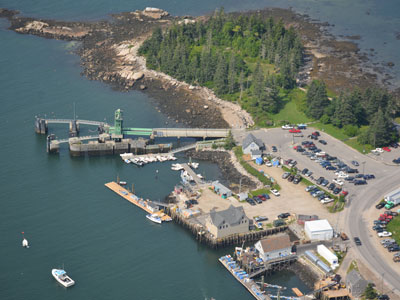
(227, 222)
(251, 143)
(356, 284)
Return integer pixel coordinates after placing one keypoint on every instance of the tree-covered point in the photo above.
(246, 59)
(353, 110)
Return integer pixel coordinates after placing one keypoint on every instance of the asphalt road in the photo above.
(361, 197)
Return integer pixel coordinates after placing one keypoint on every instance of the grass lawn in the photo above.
(394, 228)
(353, 266)
(353, 143)
(331, 130)
(259, 192)
(291, 112)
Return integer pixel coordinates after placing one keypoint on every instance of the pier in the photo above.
(243, 277)
(189, 170)
(146, 205)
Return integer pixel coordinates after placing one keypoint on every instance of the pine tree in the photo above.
(220, 76)
(381, 131)
(258, 82)
(231, 74)
(317, 99)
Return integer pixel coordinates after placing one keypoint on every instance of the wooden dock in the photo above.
(139, 202)
(192, 173)
(241, 276)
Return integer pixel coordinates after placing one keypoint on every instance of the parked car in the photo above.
(384, 234)
(344, 193)
(379, 150)
(283, 215)
(287, 126)
(396, 161)
(360, 182)
(286, 175)
(380, 205)
(323, 142)
(297, 179)
(338, 181)
(369, 176)
(294, 130)
(315, 133)
(290, 178)
(324, 182)
(337, 190)
(394, 248)
(355, 163)
(387, 149)
(304, 171)
(257, 200)
(320, 180)
(331, 186)
(344, 236)
(275, 192)
(326, 200)
(274, 149)
(309, 173)
(357, 241)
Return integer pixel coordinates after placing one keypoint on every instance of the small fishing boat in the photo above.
(155, 218)
(25, 243)
(127, 161)
(122, 183)
(62, 277)
(193, 165)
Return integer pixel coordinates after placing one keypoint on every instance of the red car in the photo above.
(345, 193)
(293, 130)
(387, 149)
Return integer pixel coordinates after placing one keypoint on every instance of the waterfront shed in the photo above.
(356, 284)
(274, 247)
(243, 196)
(221, 190)
(227, 222)
(251, 143)
(318, 230)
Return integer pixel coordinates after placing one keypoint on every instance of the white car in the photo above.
(343, 175)
(287, 126)
(380, 150)
(275, 192)
(327, 200)
(338, 181)
(268, 163)
(384, 234)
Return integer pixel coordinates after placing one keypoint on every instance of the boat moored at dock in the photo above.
(154, 218)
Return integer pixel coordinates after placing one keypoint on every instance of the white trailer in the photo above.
(393, 196)
(328, 255)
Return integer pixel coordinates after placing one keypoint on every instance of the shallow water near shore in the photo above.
(69, 217)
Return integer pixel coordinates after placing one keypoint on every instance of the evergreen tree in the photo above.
(220, 76)
(381, 131)
(231, 74)
(317, 99)
(258, 82)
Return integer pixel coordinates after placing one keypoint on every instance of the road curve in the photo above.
(356, 226)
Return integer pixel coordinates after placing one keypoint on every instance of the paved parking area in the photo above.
(284, 141)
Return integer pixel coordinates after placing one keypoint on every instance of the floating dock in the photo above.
(146, 205)
(297, 292)
(230, 264)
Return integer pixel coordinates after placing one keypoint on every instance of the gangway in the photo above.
(184, 148)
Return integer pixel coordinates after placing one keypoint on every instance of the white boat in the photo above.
(62, 277)
(122, 183)
(176, 167)
(200, 176)
(127, 161)
(25, 243)
(155, 218)
(194, 165)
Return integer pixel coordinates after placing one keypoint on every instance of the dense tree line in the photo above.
(373, 106)
(229, 55)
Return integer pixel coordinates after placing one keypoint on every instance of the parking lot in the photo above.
(285, 141)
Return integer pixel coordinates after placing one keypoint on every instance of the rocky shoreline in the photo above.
(228, 165)
(108, 52)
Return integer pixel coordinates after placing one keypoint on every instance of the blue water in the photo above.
(61, 203)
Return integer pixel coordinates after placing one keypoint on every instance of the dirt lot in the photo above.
(294, 199)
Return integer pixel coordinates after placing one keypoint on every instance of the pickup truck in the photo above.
(344, 236)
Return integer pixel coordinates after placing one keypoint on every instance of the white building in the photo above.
(318, 230)
(328, 255)
(252, 144)
(274, 247)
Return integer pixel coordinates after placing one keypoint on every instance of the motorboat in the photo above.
(25, 243)
(62, 277)
(193, 165)
(155, 218)
(127, 161)
(176, 167)
(122, 183)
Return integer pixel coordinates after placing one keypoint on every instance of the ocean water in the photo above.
(69, 217)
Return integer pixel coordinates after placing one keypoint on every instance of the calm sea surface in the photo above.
(69, 217)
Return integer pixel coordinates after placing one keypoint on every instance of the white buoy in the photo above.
(25, 243)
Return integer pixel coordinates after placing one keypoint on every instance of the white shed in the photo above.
(328, 255)
(318, 230)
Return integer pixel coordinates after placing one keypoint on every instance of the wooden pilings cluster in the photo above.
(204, 237)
